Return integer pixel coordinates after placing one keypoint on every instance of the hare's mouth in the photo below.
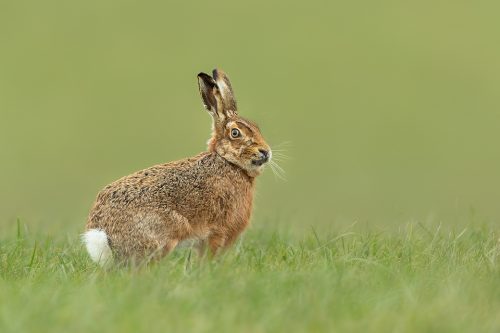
(261, 161)
(258, 162)
(264, 156)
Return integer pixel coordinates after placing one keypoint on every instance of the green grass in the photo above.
(407, 280)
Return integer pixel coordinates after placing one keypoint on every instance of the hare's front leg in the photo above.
(219, 240)
(215, 242)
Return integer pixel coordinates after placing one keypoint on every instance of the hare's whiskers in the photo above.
(277, 170)
(283, 144)
(280, 156)
(278, 167)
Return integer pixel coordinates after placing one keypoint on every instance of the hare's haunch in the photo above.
(207, 197)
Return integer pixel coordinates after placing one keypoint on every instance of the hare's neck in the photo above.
(211, 144)
(231, 170)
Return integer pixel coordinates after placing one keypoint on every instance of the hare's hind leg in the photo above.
(201, 247)
(169, 246)
(156, 253)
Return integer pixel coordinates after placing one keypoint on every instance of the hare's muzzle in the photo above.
(263, 157)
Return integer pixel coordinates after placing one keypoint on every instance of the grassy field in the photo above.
(416, 279)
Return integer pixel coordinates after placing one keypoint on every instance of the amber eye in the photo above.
(235, 133)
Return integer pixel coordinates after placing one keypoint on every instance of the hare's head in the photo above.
(236, 139)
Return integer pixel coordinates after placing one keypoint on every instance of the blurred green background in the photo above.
(391, 108)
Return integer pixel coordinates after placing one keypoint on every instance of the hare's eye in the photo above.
(235, 133)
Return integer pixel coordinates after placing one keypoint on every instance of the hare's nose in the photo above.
(264, 154)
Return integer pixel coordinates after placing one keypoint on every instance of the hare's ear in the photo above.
(226, 91)
(210, 94)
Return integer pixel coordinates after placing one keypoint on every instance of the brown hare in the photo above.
(207, 198)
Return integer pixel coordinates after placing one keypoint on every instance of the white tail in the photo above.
(96, 242)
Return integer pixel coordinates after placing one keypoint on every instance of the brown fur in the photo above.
(206, 197)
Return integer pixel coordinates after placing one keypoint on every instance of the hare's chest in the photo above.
(241, 208)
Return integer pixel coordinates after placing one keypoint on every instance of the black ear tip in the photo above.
(206, 80)
(217, 73)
